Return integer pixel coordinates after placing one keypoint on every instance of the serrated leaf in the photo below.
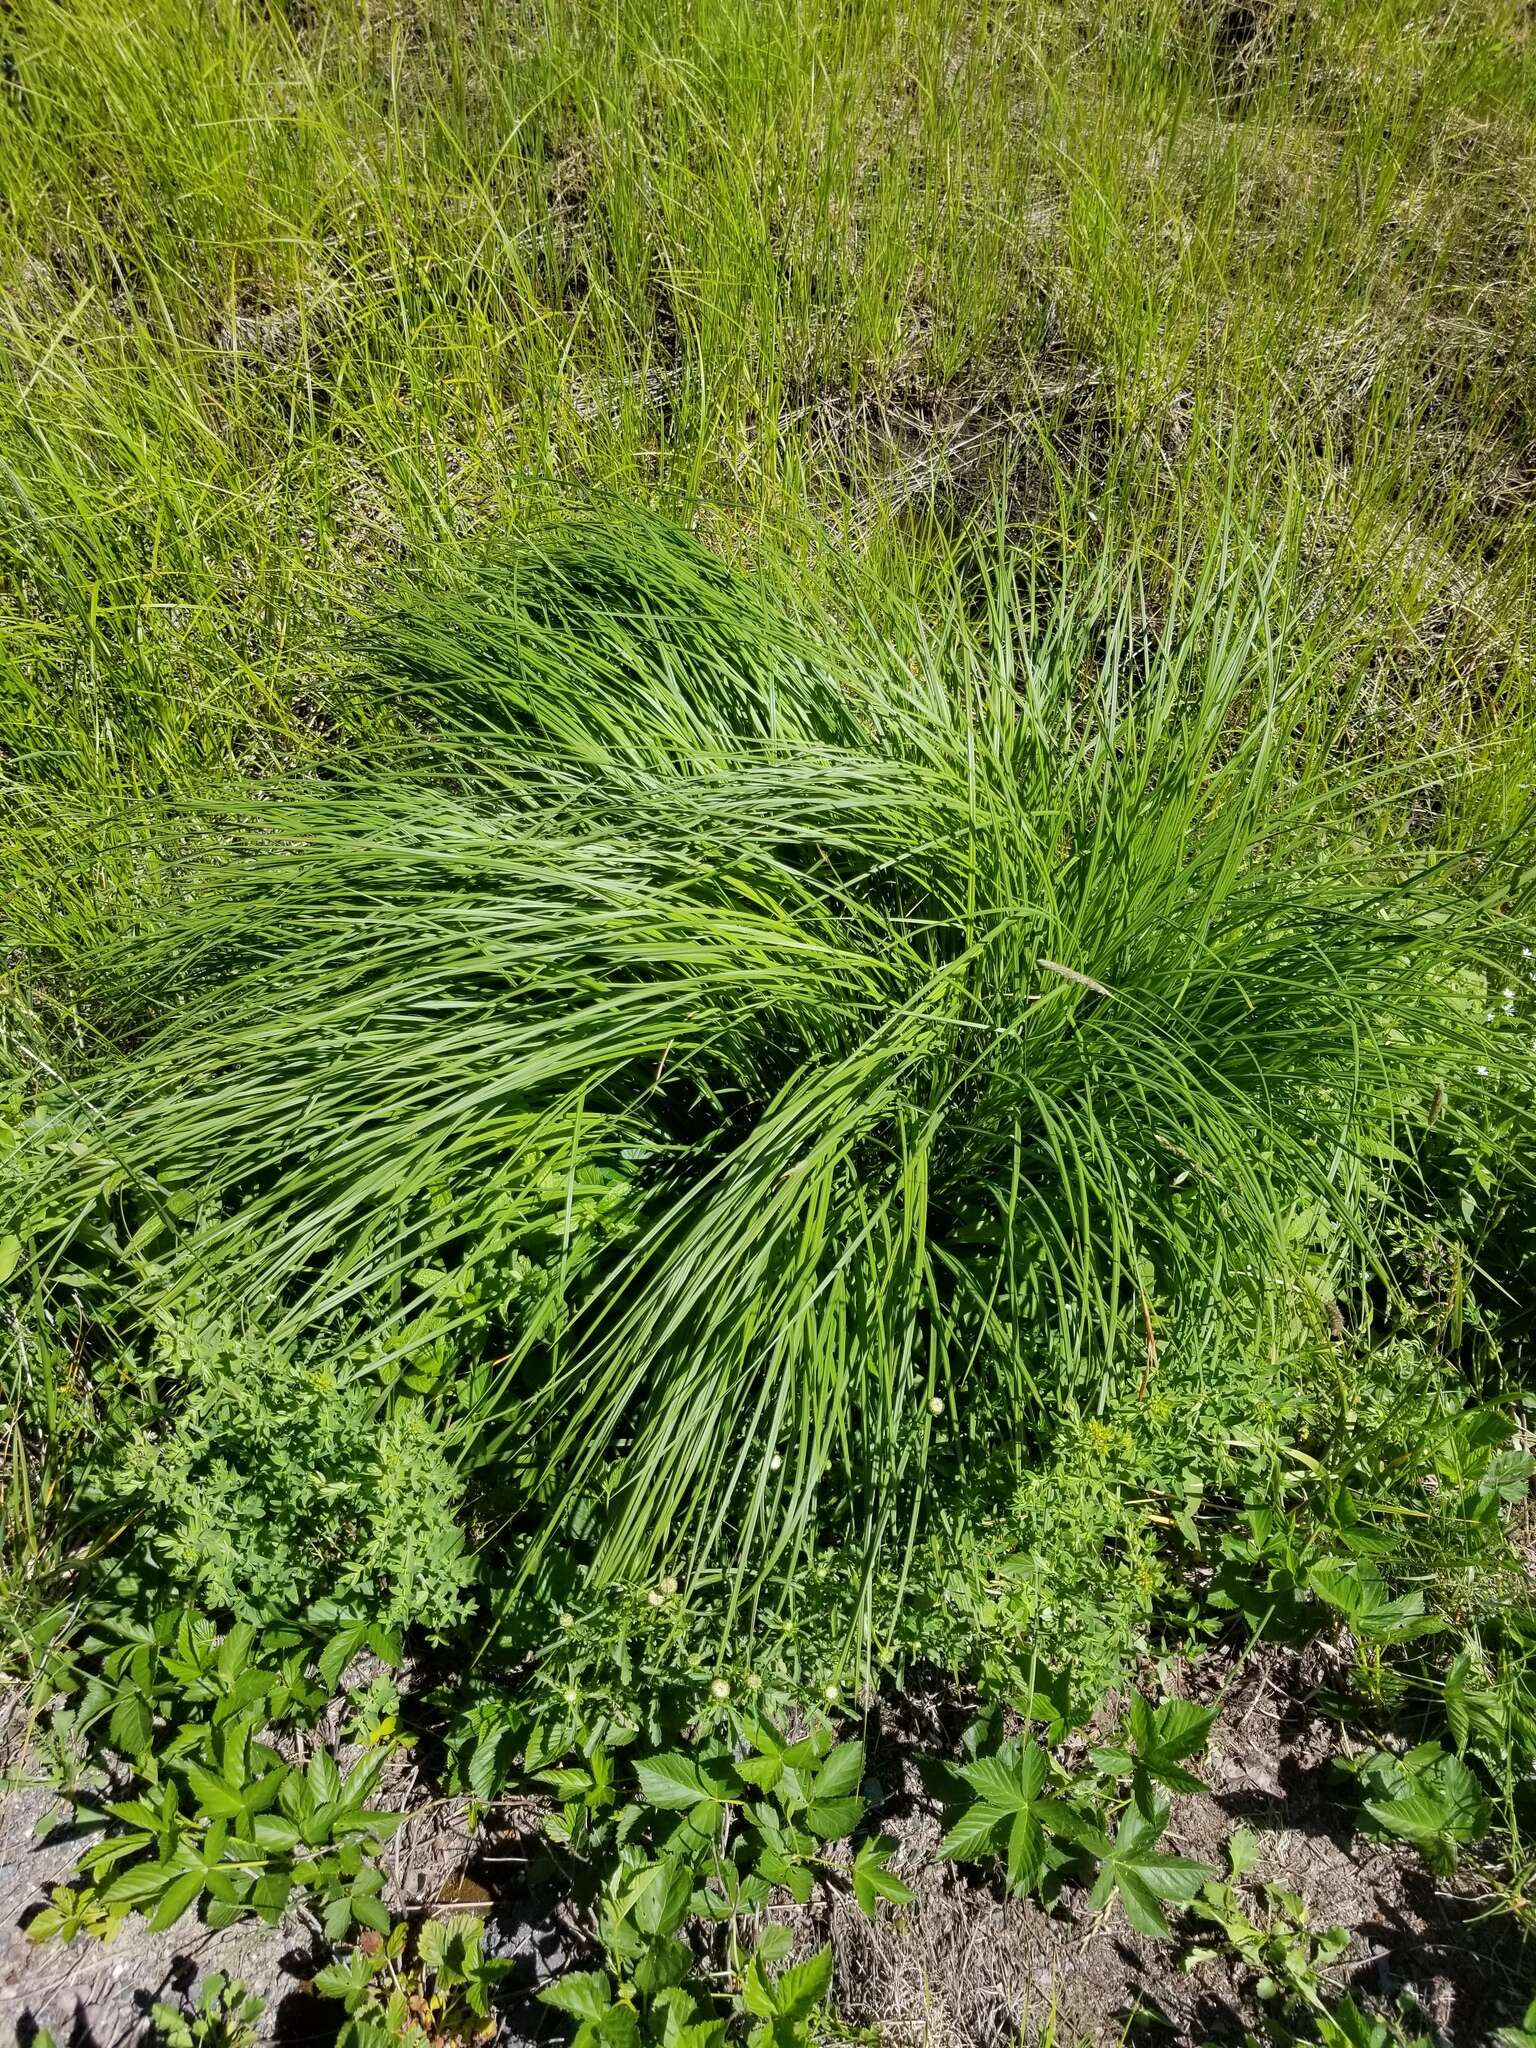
(971, 1838)
(132, 1726)
(213, 1796)
(804, 1985)
(1180, 1729)
(338, 1654)
(1011, 1780)
(271, 1892)
(658, 1897)
(757, 1992)
(484, 1773)
(1242, 1851)
(761, 1772)
(842, 1772)
(1026, 1853)
(872, 1881)
(370, 1911)
(175, 1900)
(566, 1781)
(143, 1881)
(1139, 1904)
(322, 1776)
(1141, 1873)
(1467, 1811)
(585, 1994)
(675, 1782)
(273, 1831)
(834, 1818)
(1358, 1592)
(137, 1812)
(664, 1965)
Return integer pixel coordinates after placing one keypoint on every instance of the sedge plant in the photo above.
(738, 1063)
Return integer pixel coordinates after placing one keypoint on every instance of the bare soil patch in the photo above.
(964, 1966)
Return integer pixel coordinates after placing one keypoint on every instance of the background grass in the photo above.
(305, 304)
(297, 297)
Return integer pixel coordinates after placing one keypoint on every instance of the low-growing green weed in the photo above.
(432, 1989)
(76, 1910)
(1051, 1823)
(224, 2015)
(1427, 1797)
(200, 1809)
(1267, 1929)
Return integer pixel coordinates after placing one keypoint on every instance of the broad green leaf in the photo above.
(1179, 1729)
(763, 1772)
(585, 1994)
(567, 1781)
(1013, 1779)
(834, 1818)
(1133, 1867)
(132, 1726)
(674, 1781)
(338, 1654)
(213, 1796)
(322, 1776)
(619, 2026)
(665, 1964)
(872, 1881)
(144, 1881)
(271, 1892)
(803, 1986)
(757, 1991)
(1026, 1853)
(485, 1772)
(658, 1897)
(175, 1900)
(370, 1911)
(1242, 1851)
(842, 1772)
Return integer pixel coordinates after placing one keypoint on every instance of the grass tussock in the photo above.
(770, 1053)
(638, 1159)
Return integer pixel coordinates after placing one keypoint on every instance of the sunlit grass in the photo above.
(791, 1048)
(299, 301)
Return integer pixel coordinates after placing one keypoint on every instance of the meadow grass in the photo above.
(307, 303)
(302, 300)
(767, 778)
(787, 1045)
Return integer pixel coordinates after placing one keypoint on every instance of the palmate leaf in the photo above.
(1133, 1869)
(833, 1808)
(727, 1019)
(794, 1994)
(1358, 1591)
(1012, 1810)
(1160, 1740)
(872, 1881)
(584, 1994)
(131, 1728)
(1428, 1798)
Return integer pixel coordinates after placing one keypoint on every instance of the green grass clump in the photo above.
(740, 1064)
